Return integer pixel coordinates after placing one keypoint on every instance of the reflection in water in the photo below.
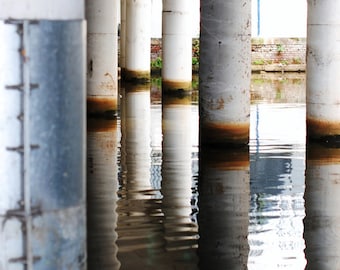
(322, 196)
(277, 151)
(223, 209)
(180, 232)
(140, 217)
(102, 186)
(253, 221)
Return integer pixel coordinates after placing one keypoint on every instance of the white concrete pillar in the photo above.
(102, 56)
(179, 229)
(223, 218)
(323, 69)
(138, 40)
(42, 135)
(103, 137)
(176, 45)
(225, 70)
(322, 199)
(122, 60)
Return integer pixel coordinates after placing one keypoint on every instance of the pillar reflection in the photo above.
(180, 232)
(224, 194)
(139, 225)
(102, 187)
(322, 200)
(136, 140)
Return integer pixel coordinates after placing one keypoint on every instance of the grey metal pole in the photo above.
(42, 141)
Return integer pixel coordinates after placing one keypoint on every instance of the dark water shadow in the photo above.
(322, 200)
(224, 192)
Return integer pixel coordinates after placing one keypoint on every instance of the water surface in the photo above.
(156, 202)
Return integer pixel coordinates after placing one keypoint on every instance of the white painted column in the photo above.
(102, 56)
(323, 69)
(42, 135)
(322, 199)
(225, 70)
(138, 40)
(176, 45)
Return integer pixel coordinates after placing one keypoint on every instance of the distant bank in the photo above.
(268, 54)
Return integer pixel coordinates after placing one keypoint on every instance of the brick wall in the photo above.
(279, 50)
(264, 51)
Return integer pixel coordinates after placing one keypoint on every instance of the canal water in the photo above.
(156, 202)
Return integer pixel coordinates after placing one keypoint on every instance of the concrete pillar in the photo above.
(103, 138)
(176, 45)
(122, 60)
(322, 199)
(179, 229)
(42, 135)
(223, 218)
(102, 57)
(323, 69)
(138, 40)
(225, 70)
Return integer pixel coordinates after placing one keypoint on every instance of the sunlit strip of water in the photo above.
(277, 153)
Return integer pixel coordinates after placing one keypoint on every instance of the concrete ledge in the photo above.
(279, 68)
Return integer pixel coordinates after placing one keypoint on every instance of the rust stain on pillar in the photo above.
(106, 99)
(136, 76)
(320, 128)
(100, 104)
(224, 133)
(170, 86)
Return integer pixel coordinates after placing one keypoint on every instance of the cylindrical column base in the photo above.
(138, 41)
(323, 69)
(102, 57)
(225, 72)
(177, 45)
